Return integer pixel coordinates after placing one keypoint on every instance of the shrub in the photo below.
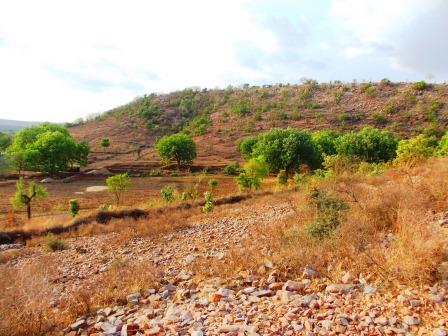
(104, 207)
(167, 193)
(242, 107)
(328, 213)
(338, 96)
(254, 171)
(442, 148)
(369, 144)
(232, 169)
(435, 107)
(379, 118)
(117, 185)
(282, 179)
(420, 86)
(209, 202)
(325, 141)
(371, 169)
(105, 142)
(415, 149)
(246, 146)
(147, 108)
(213, 183)
(300, 178)
(199, 125)
(73, 207)
(55, 244)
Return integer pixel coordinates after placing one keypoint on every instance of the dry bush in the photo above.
(26, 295)
(388, 234)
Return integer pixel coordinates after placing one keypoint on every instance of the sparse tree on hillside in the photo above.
(117, 184)
(24, 196)
(177, 147)
(105, 142)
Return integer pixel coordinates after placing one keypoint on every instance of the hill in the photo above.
(218, 118)
(15, 125)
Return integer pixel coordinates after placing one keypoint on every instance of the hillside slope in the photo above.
(218, 118)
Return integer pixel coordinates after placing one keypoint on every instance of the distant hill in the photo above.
(15, 125)
(218, 118)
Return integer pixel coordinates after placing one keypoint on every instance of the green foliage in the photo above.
(254, 170)
(286, 149)
(73, 207)
(232, 169)
(338, 96)
(434, 108)
(379, 118)
(209, 202)
(25, 194)
(369, 89)
(167, 193)
(300, 178)
(104, 207)
(53, 244)
(282, 178)
(47, 148)
(213, 183)
(5, 140)
(371, 169)
(177, 147)
(117, 185)
(199, 125)
(325, 141)
(415, 149)
(442, 148)
(370, 145)
(246, 146)
(242, 107)
(328, 213)
(420, 86)
(105, 142)
(147, 108)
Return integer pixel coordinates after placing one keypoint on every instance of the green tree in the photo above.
(325, 142)
(26, 194)
(5, 140)
(213, 183)
(105, 142)
(73, 207)
(177, 147)
(246, 146)
(286, 149)
(117, 185)
(48, 148)
(370, 145)
(167, 193)
(442, 148)
(254, 170)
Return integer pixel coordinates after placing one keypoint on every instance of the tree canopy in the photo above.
(286, 149)
(48, 148)
(177, 147)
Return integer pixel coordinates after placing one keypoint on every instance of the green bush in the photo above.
(442, 148)
(104, 207)
(242, 107)
(55, 244)
(213, 183)
(232, 169)
(167, 193)
(73, 207)
(199, 125)
(246, 146)
(105, 142)
(329, 211)
(379, 118)
(422, 85)
(300, 178)
(209, 202)
(325, 142)
(370, 145)
(117, 185)
(413, 150)
(254, 170)
(282, 178)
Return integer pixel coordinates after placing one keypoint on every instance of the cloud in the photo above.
(411, 33)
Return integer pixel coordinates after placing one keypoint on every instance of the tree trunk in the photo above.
(178, 164)
(28, 210)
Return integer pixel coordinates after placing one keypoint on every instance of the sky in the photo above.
(65, 59)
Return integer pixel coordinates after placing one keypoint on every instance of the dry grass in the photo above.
(26, 295)
(389, 232)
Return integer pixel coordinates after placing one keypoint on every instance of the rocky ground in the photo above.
(245, 305)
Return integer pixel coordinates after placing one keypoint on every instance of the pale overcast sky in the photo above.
(63, 59)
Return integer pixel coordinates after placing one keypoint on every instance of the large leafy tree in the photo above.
(325, 141)
(286, 149)
(177, 147)
(47, 148)
(5, 140)
(370, 145)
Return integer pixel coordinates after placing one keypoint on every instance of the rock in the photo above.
(183, 275)
(133, 298)
(437, 298)
(224, 292)
(339, 288)
(268, 264)
(102, 171)
(381, 321)
(228, 328)
(327, 324)
(308, 272)
(293, 286)
(215, 297)
(439, 332)
(48, 180)
(411, 320)
(284, 296)
(369, 289)
(415, 303)
(70, 179)
(263, 293)
(78, 325)
(196, 333)
(347, 278)
(189, 259)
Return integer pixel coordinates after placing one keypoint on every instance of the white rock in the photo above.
(411, 320)
(439, 332)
